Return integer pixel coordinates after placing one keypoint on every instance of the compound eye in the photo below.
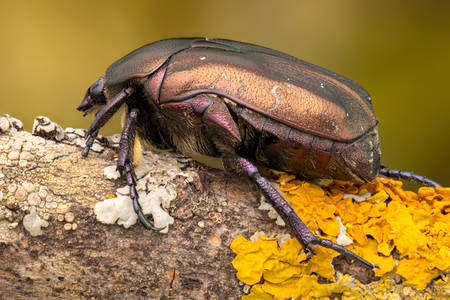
(96, 93)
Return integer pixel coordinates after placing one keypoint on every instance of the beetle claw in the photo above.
(91, 136)
(85, 151)
(338, 248)
(129, 175)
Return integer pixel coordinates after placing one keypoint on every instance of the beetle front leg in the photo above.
(104, 115)
(238, 164)
(125, 165)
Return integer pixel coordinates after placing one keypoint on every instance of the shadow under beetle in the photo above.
(247, 105)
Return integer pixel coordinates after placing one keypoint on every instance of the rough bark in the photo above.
(98, 261)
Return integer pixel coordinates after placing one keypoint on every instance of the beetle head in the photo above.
(362, 157)
(94, 97)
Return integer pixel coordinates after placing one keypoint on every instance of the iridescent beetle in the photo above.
(247, 105)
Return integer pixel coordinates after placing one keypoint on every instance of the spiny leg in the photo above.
(398, 174)
(224, 133)
(126, 144)
(125, 165)
(306, 237)
(104, 115)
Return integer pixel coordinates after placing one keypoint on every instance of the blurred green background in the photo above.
(51, 51)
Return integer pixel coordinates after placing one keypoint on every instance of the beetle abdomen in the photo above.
(278, 146)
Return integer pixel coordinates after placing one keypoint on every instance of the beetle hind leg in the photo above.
(240, 165)
(125, 165)
(398, 174)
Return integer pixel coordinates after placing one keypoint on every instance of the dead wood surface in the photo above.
(98, 261)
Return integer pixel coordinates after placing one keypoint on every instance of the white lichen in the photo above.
(9, 124)
(113, 140)
(33, 223)
(111, 172)
(155, 192)
(323, 182)
(342, 238)
(4, 124)
(151, 204)
(43, 126)
(282, 238)
(96, 147)
(357, 198)
(114, 210)
(256, 235)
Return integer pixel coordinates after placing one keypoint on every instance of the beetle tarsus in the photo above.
(89, 143)
(134, 196)
(301, 231)
(398, 174)
(344, 251)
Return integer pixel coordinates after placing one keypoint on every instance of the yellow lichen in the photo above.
(251, 258)
(285, 270)
(415, 225)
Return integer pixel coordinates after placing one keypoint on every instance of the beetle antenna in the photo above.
(398, 174)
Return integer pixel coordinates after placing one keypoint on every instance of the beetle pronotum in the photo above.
(247, 105)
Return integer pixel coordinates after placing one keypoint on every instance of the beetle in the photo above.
(246, 104)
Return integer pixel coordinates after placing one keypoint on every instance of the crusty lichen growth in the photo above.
(23, 153)
(385, 220)
(155, 189)
(33, 223)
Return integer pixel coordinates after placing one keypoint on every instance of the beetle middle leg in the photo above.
(125, 164)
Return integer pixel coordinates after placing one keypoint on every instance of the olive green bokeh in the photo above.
(51, 51)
